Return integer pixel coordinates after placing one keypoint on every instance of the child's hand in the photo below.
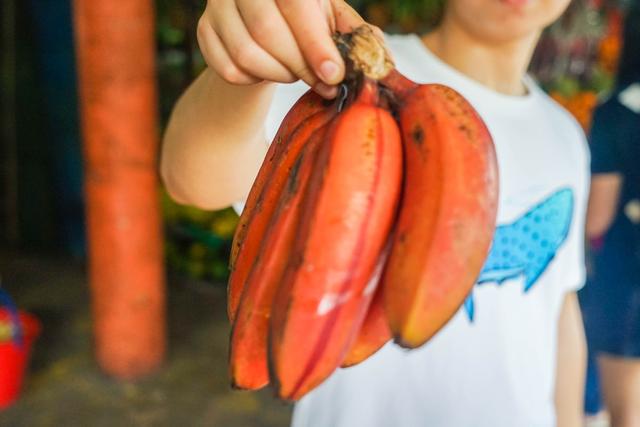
(248, 41)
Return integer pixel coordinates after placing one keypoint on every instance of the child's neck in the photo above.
(503, 65)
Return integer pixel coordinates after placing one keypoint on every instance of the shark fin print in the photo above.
(469, 306)
(527, 246)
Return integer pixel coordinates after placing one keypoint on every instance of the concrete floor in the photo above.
(65, 387)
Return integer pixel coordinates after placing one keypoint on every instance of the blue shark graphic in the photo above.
(526, 246)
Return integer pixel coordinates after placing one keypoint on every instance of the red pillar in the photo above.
(115, 49)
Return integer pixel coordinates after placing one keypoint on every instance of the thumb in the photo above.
(345, 17)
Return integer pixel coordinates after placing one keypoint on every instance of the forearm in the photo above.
(214, 142)
(571, 364)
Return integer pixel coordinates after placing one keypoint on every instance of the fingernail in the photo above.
(329, 71)
(326, 91)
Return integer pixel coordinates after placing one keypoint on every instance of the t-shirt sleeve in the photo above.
(602, 142)
(573, 261)
(283, 99)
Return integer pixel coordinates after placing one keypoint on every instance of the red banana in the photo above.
(347, 214)
(308, 114)
(248, 354)
(447, 214)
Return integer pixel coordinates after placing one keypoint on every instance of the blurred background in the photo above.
(43, 247)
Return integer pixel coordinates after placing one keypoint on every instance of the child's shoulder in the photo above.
(560, 125)
(560, 116)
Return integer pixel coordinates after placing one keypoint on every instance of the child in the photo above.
(514, 356)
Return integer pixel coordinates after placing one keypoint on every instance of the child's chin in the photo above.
(517, 3)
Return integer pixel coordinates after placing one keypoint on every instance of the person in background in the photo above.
(611, 301)
(514, 355)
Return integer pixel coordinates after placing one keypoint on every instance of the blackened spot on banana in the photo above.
(293, 182)
(276, 141)
(327, 102)
(297, 260)
(418, 135)
(390, 101)
(466, 130)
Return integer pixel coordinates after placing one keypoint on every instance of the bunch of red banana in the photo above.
(369, 220)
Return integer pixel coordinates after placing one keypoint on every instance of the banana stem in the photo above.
(363, 54)
(399, 85)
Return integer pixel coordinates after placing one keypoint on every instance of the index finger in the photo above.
(309, 24)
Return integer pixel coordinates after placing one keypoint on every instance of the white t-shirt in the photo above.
(493, 364)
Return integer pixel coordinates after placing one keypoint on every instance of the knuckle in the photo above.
(246, 56)
(263, 28)
(230, 74)
(202, 41)
(201, 28)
